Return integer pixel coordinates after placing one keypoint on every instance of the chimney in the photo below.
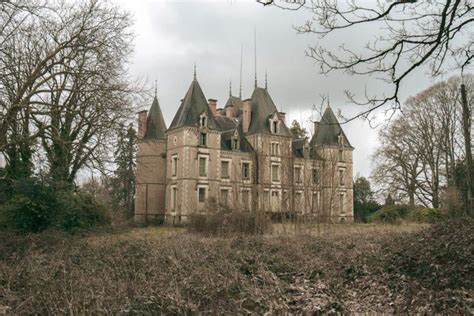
(247, 115)
(282, 116)
(316, 126)
(230, 111)
(142, 116)
(220, 112)
(213, 106)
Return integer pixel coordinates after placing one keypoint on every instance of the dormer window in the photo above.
(235, 141)
(203, 120)
(340, 139)
(274, 124)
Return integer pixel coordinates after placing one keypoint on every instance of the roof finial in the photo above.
(329, 105)
(255, 52)
(230, 88)
(266, 81)
(194, 70)
(240, 86)
(156, 87)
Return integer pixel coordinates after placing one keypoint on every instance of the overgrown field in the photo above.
(348, 268)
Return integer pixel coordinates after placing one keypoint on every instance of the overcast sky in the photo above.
(173, 35)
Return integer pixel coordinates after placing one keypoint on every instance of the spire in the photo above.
(230, 88)
(194, 70)
(240, 84)
(156, 88)
(329, 105)
(156, 126)
(266, 81)
(255, 52)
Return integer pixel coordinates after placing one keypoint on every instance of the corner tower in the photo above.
(151, 165)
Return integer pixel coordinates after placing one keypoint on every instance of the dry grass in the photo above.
(168, 270)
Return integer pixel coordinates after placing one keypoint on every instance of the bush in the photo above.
(229, 222)
(390, 214)
(426, 215)
(35, 206)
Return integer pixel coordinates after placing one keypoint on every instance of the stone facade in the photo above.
(242, 156)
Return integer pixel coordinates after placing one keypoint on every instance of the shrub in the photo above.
(35, 206)
(229, 222)
(390, 214)
(426, 215)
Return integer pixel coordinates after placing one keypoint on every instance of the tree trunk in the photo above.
(466, 117)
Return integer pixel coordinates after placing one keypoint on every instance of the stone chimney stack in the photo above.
(230, 111)
(247, 114)
(142, 116)
(316, 126)
(213, 106)
(282, 116)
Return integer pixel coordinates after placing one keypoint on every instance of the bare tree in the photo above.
(413, 34)
(65, 81)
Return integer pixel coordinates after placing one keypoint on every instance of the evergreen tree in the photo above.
(123, 181)
(297, 130)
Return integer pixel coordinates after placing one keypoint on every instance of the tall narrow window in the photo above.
(174, 198)
(203, 121)
(275, 127)
(246, 200)
(316, 176)
(341, 203)
(341, 177)
(202, 195)
(224, 169)
(245, 170)
(224, 196)
(266, 200)
(174, 165)
(275, 173)
(202, 139)
(298, 174)
(341, 155)
(202, 167)
(235, 143)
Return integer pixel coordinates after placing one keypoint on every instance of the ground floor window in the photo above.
(202, 194)
(174, 198)
(225, 197)
(341, 203)
(246, 200)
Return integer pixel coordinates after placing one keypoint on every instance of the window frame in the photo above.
(174, 165)
(278, 168)
(248, 164)
(206, 166)
(229, 163)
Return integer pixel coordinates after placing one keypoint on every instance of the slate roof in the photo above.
(192, 106)
(226, 123)
(226, 139)
(328, 130)
(262, 108)
(235, 101)
(155, 125)
(297, 146)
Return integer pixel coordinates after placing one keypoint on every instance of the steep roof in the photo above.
(328, 131)
(235, 101)
(192, 106)
(262, 108)
(155, 125)
(226, 123)
(226, 138)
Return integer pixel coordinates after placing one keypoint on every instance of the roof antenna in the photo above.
(255, 52)
(240, 87)
(194, 70)
(230, 88)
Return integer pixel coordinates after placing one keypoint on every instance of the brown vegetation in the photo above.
(349, 268)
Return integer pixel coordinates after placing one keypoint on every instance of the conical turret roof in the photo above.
(328, 130)
(155, 126)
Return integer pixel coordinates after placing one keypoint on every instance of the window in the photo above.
(225, 169)
(298, 174)
(275, 173)
(174, 198)
(315, 202)
(235, 143)
(341, 203)
(246, 200)
(299, 201)
(174, 165)
(274, 127)
(275, 148)
(203, 120)
(202, 166)
(340, 139)
(341, 155)
(202, 139)
(202, 195)
(245, 170)
(316, 176)
(276, 203)
(224, 196)
(266, 200)
(341, 176)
